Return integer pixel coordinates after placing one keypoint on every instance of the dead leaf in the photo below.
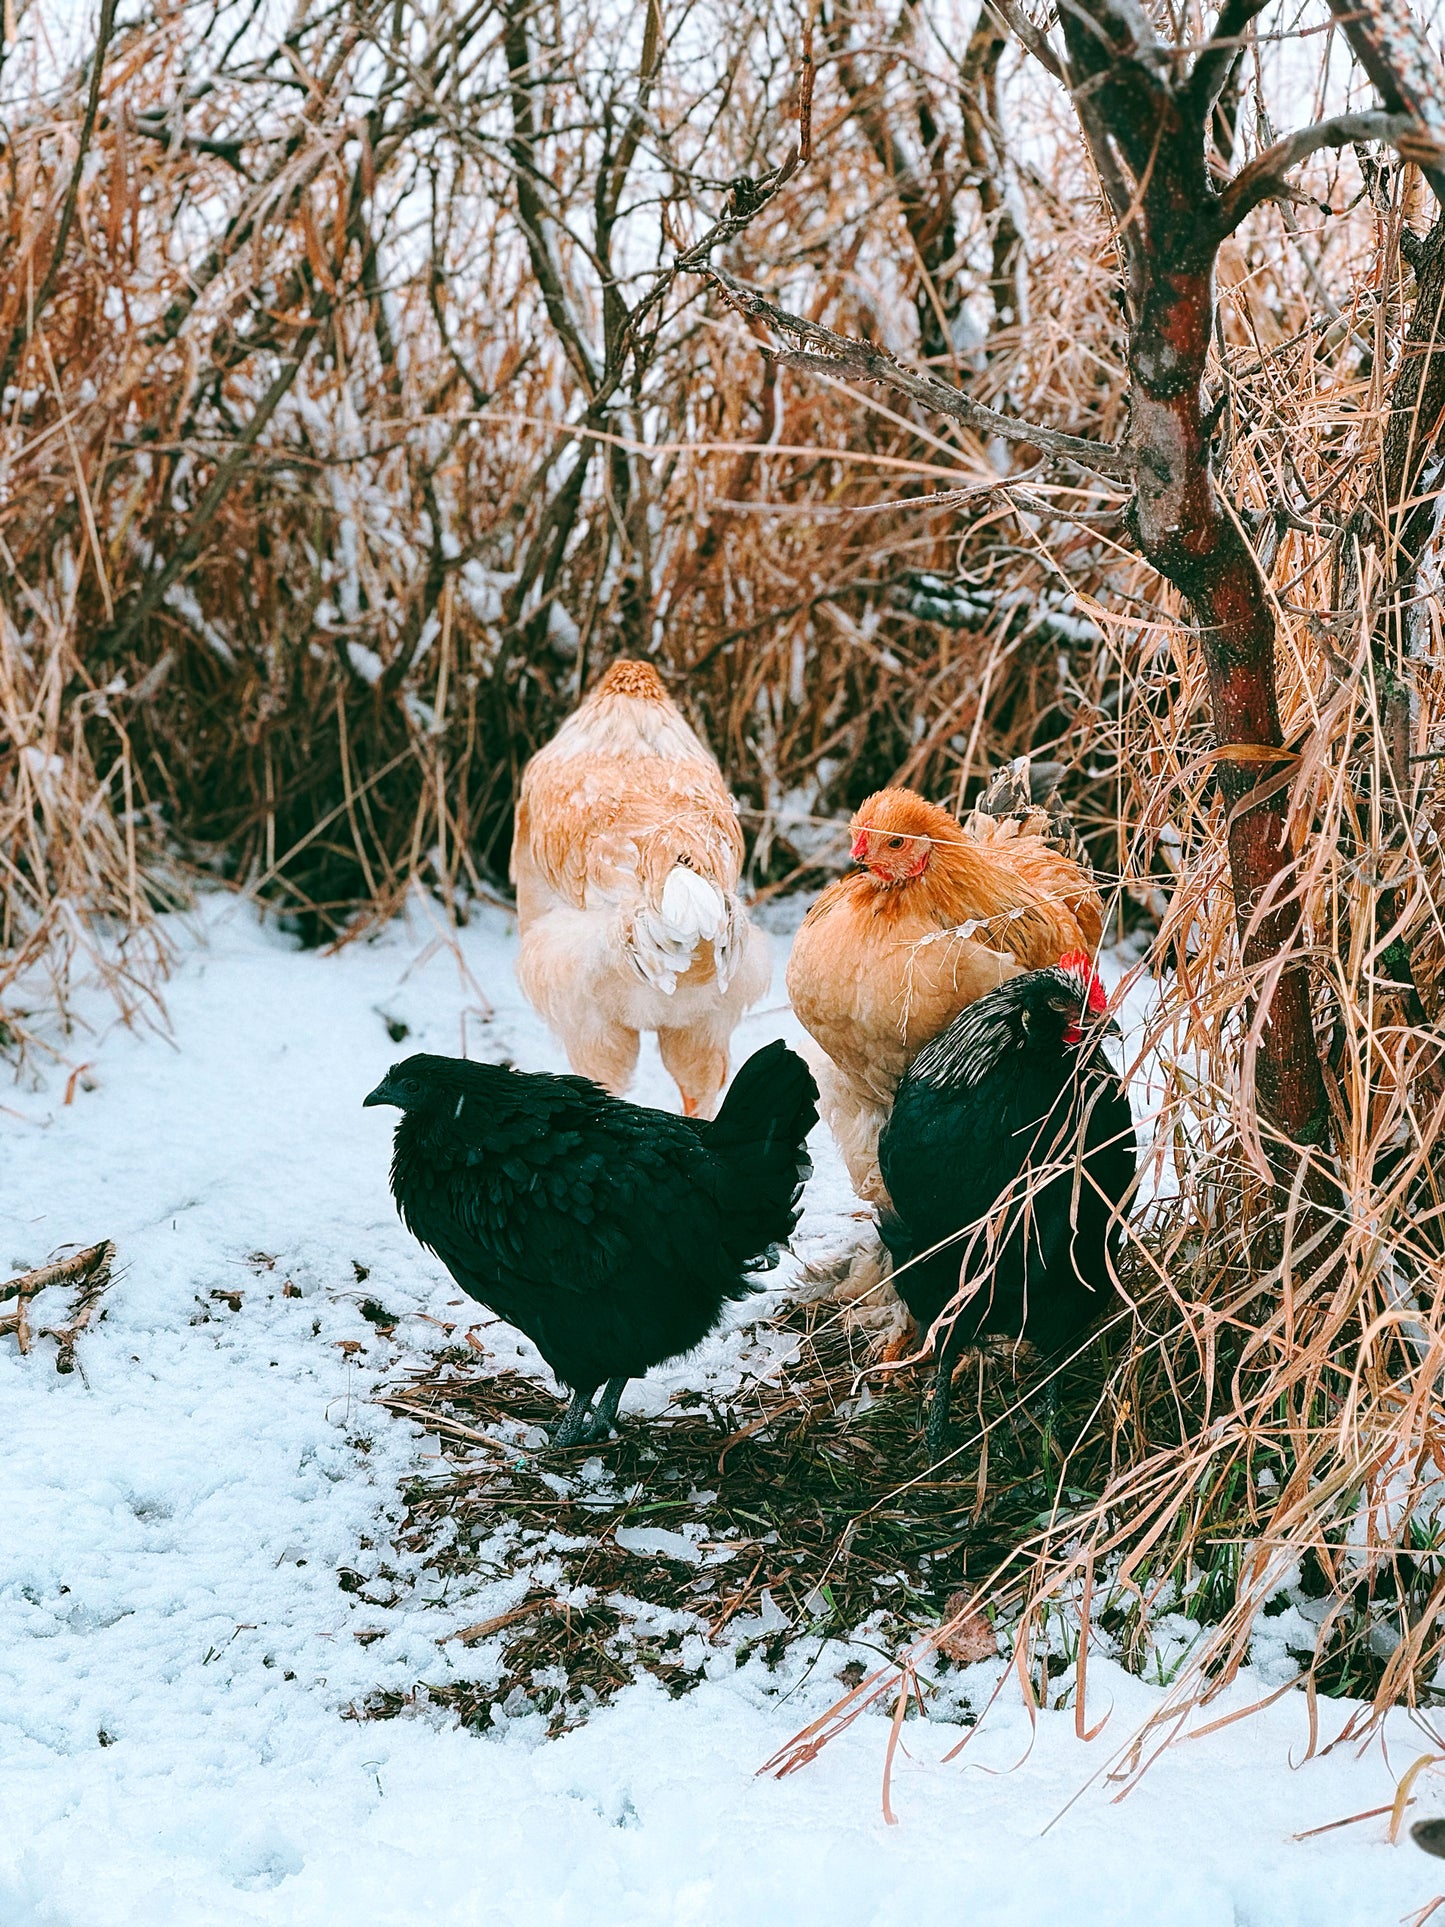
(972, 1639)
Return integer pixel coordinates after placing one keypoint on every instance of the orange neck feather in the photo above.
(628, 677)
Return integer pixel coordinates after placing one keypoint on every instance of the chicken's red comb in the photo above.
(1079, 964)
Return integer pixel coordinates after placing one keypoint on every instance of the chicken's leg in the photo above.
(698, 1062)
(571, 1428)
(937, 1434)
(600, 1423)
(607, 1053)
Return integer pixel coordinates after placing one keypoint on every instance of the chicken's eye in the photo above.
(895, 842)
(685, 860)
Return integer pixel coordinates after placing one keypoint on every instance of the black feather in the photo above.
(611, 1235)
(1011, 1147)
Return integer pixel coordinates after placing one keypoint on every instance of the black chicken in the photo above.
(610, 1234)
(1008, 1152)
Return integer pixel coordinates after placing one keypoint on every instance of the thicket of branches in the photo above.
(357, 409)
(369, 378)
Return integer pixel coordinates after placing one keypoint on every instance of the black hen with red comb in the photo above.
(1007, 1157)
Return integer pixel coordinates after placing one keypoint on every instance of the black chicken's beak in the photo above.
(381, 1095)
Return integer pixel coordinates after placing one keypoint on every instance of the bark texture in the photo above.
(1148, 129)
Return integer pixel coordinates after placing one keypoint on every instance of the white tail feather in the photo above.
(693, 911)
(692, 905)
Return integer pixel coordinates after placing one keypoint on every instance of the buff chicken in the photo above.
(626, 859)
(934, 915)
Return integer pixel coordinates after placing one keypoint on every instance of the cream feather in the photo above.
(627, 858)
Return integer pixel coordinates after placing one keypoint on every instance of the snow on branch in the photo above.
(835, 354)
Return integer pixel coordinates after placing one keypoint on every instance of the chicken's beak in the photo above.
(381, 1095)
(859, 850)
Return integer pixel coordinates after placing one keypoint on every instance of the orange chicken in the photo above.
(934, 916)
(626, 858)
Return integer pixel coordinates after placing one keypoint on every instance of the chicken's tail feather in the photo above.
(759, 1138)
(692, 910)
(1021, 798)
(1020, 785)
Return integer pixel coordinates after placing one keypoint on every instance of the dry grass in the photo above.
(790, 1478)
(87, 1272)
(1273, 1419)
(81, 868)
(322, 681)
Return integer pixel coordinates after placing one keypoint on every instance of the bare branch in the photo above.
(1391, 46)
(531, 212)
(226, 474)
(1118, 76)
(925, 188)
(1264, 178)
(1027, 34)
(24, 329)
(156, 127)
(981, 111)
(860, 359)
(262, 203)
(1226, 43)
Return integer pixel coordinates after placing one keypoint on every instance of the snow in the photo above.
(176, 1654)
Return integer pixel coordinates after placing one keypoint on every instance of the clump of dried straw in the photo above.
(318, 510)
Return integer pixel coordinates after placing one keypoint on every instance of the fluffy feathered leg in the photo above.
(864, 1288)
(698, 1065)
(607, 1054)
(571, 1428)
(854, 1116)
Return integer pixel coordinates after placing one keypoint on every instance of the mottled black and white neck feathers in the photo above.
(1030, 1013)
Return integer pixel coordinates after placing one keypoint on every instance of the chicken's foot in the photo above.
(572, 1427)
(579, 1424)
(600, 1423)
(937, 1434)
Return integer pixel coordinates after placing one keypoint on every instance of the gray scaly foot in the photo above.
(571, 1428)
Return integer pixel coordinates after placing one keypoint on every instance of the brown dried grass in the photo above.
(333, 698)
(1273, 1408)
(332, 704)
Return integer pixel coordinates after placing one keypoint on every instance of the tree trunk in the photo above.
(1183, 531)
(1142, 123)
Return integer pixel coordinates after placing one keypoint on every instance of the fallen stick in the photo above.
(439, 1422)
(91, 1268)
(484, 1628)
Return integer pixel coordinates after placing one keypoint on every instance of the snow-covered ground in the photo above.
(176, 1653)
